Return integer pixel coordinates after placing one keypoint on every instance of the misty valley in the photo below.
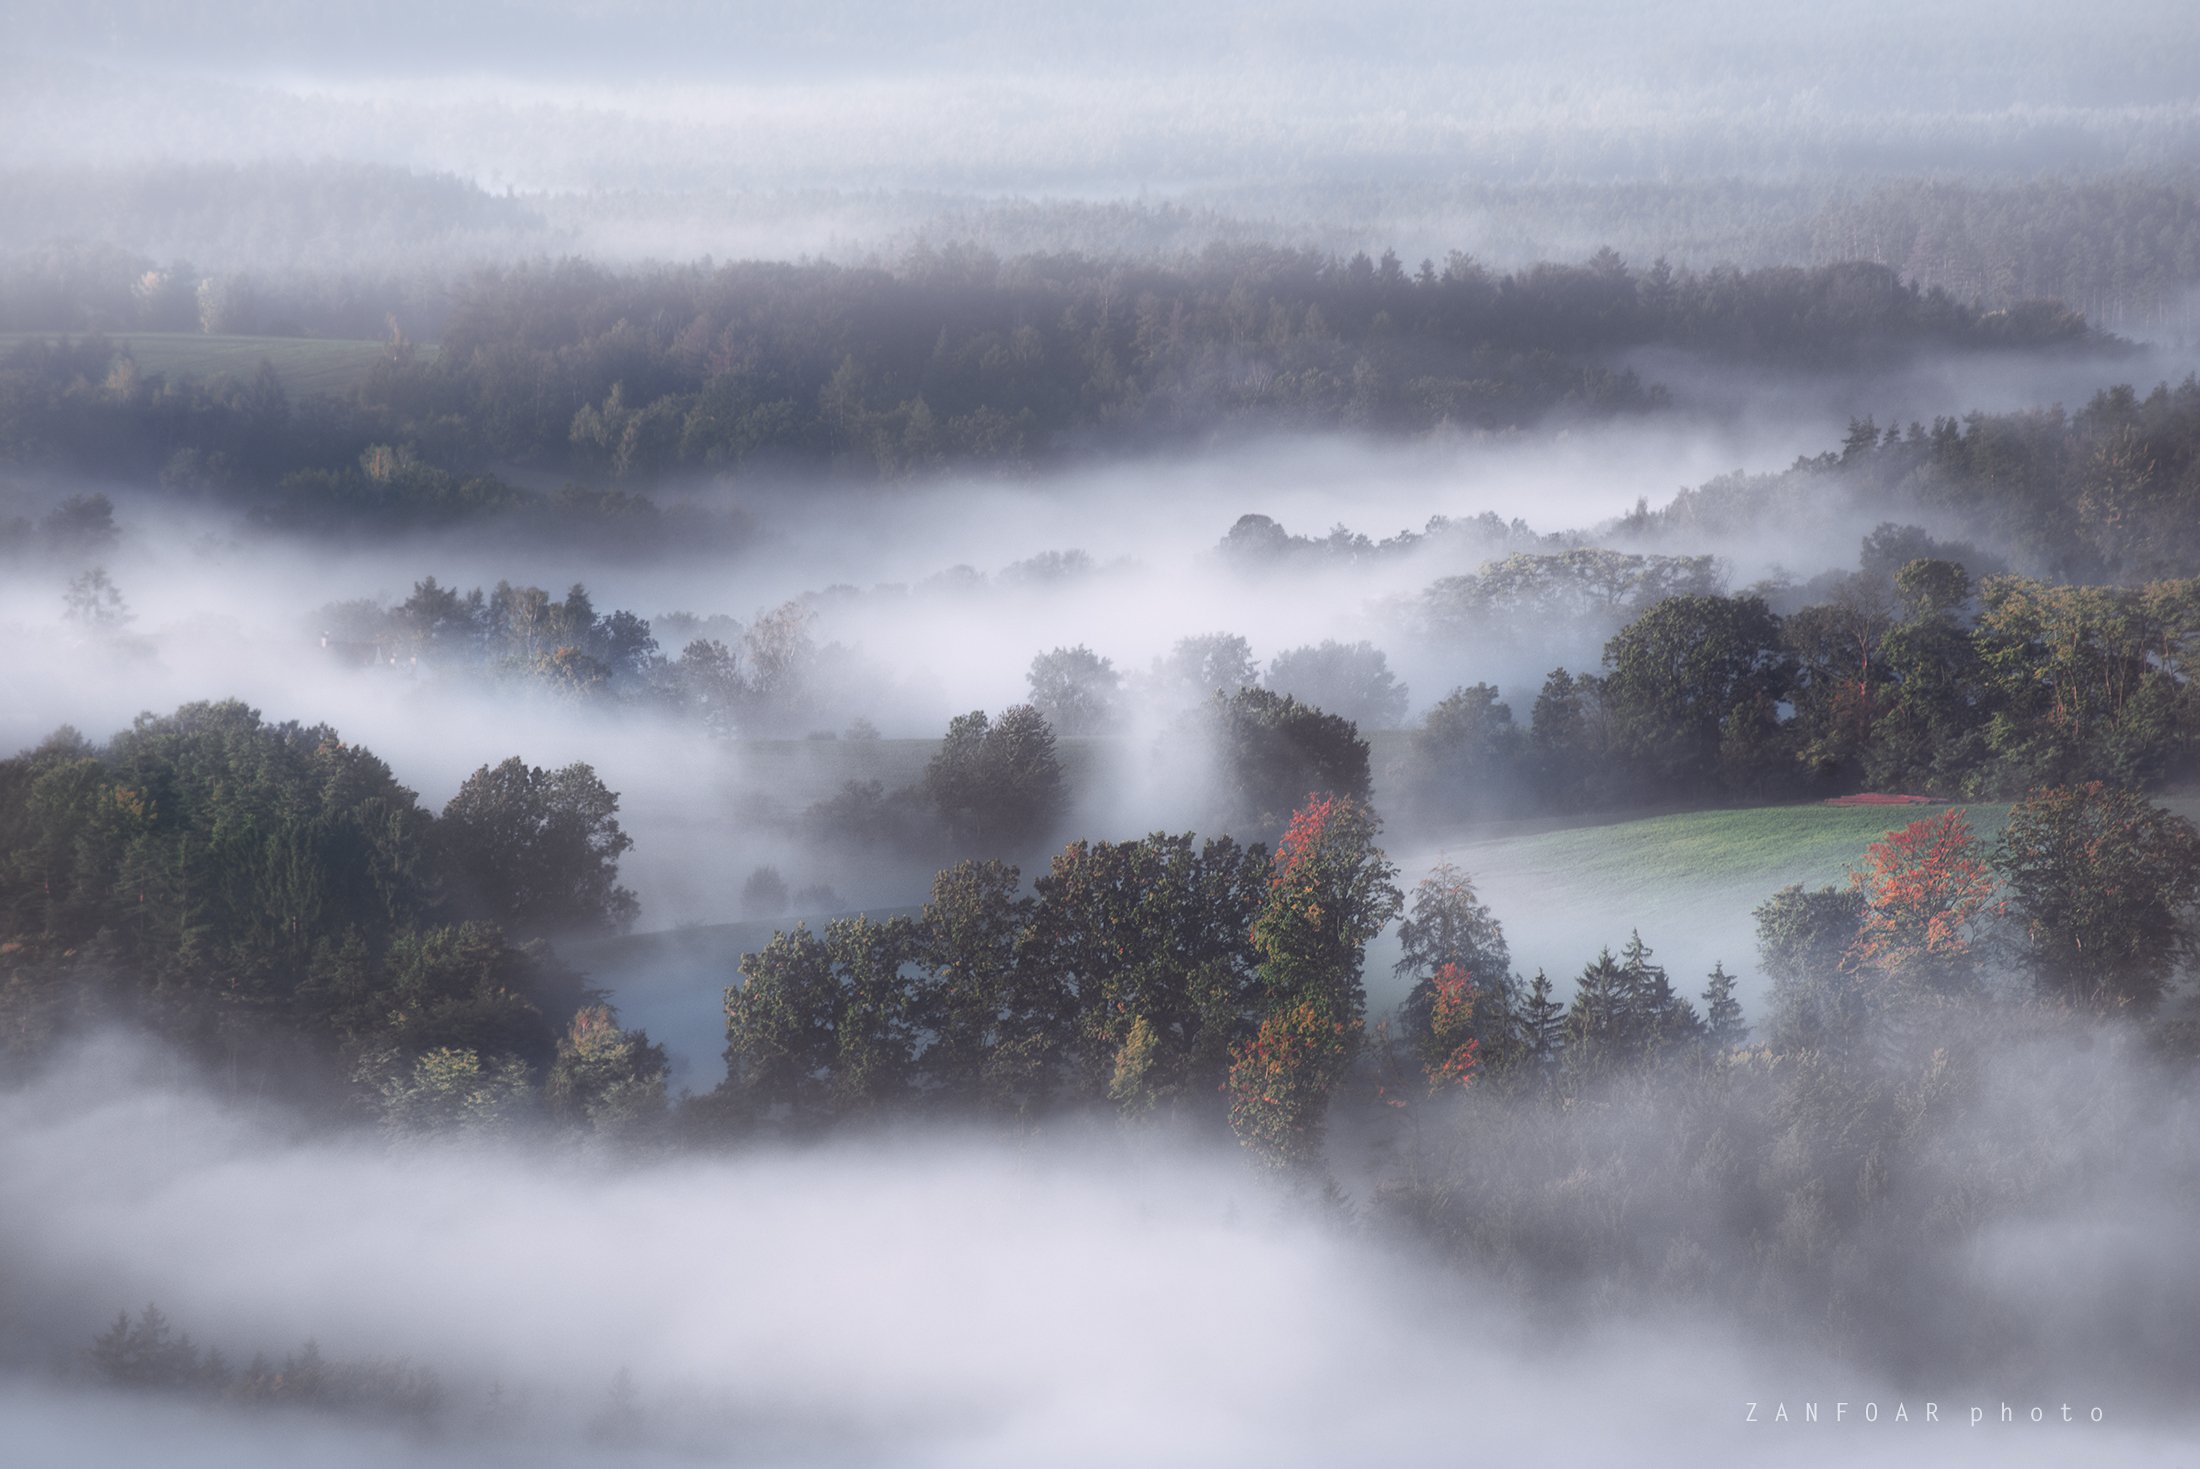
(1233, 737)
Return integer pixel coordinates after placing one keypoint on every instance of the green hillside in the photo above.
(1811, 843)
(1688, 882)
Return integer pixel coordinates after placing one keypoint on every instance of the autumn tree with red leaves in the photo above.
(1330, 890)
(1451, 929)
(1924, 888)
(1451, 1053)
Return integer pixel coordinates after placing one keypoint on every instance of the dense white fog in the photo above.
(1094, 1298)
(668, 130)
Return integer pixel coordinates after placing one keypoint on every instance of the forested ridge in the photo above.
(335, 249)
(968, 359)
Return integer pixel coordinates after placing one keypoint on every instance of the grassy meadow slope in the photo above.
(1688, 881)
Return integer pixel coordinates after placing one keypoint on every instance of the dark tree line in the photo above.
(1917, 682)
(99, 250)
(960, 359)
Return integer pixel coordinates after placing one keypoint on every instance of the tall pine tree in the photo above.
(1723, 1029)
(1654, 1016)
(1595, 1035)
(1542, 1026)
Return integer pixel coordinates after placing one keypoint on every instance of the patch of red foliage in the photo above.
(1881, 798)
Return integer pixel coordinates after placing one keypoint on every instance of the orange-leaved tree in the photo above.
(1925, 888)
(1452, 1051)
(1330, 890)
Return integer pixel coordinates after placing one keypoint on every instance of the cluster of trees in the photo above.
(959, 358)
(271, 898)
(998, 782)
(997, 785)
(1082, 693)
(1259, 544)
(1149, 974)
(520, 629)
(77, 528)
(2089, 891)
(1468, 1019)
(1934, 1023)
(147, 1353)
(1528, 593)
(2110, 493)
(766, 678)
(1917, 682)
(1158, 972)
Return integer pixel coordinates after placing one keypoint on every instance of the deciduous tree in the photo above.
(1330, 891)
(1923, 889)
(2103, 884)
(538, 850)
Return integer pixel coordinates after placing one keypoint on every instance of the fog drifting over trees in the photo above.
(1193, 734)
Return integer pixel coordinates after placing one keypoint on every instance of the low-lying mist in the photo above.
(1161, 97)
(932, 599)
(1091, 1296)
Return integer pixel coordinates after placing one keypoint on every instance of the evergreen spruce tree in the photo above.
(1542, 1027)
(1451, 926)
(1723, 1028)
(1593, 1023)
(1653, 1015)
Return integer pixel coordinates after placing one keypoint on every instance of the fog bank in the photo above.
(1102, 1299)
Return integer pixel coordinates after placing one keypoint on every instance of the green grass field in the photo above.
(1811, 843)
(1689, 882)
(306, 366)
